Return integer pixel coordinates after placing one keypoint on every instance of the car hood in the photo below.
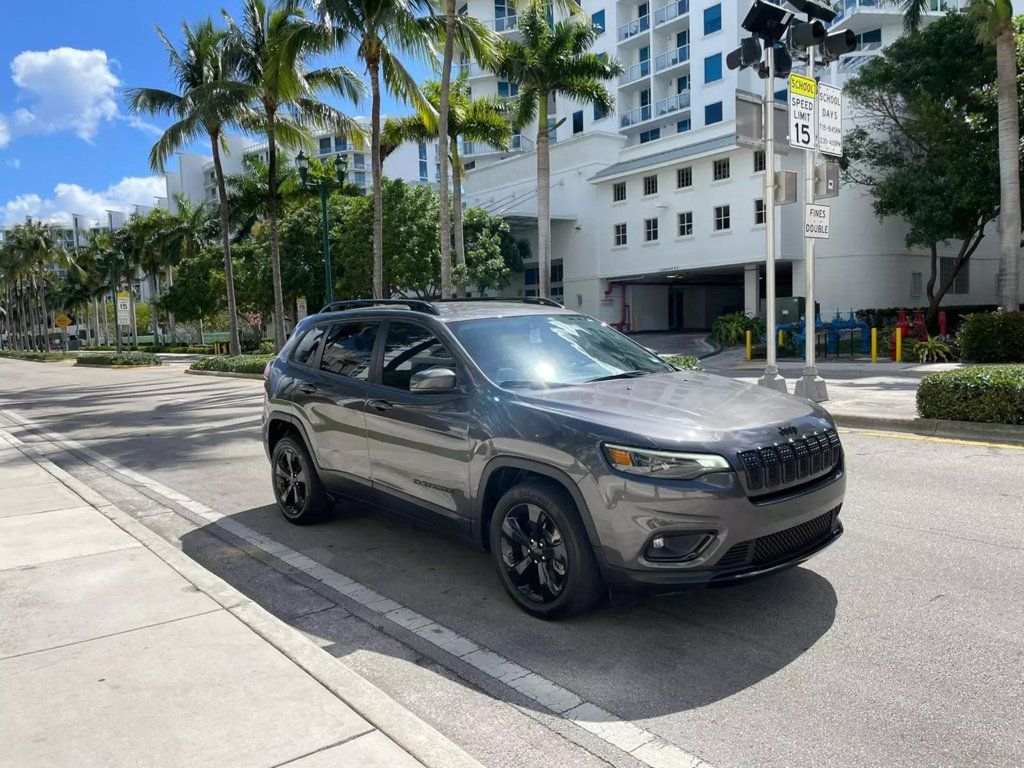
(681, 409)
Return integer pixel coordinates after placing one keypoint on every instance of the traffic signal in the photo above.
(806, 34)
(747, 54)
(783, 60)
(836, 44)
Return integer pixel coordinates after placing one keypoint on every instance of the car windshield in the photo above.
(552, 350)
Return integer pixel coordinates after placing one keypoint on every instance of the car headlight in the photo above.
(664, 464)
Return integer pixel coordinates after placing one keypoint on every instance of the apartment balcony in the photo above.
(633, 28)
(878, 8)
(670, 59)
(674, 10)
(635, 72)
(470, 69)
(672, 104)
(636, 116)
(518, 144)
(506, 24)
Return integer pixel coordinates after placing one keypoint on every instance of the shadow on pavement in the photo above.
(654, 657)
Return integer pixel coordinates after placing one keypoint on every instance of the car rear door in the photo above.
(419, 441)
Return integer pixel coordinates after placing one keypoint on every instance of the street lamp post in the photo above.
(324, 186)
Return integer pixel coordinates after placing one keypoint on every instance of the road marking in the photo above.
(928, 438)
(641, 744)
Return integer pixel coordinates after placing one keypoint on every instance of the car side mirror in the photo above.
(433, 380)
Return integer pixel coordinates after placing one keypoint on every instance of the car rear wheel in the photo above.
(297, 487)
(542, 553)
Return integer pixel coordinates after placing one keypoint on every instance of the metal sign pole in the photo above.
(810, 385)
(771, 377)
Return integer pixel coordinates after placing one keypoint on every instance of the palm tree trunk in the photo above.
(133, 319)
(460, 239)
(442, 138)
(1009, 170)
(154, 320)
(42, 309)
(170, 315)
(225, 242)
(543, 198)
(275, 248)
(373, 65)
(96, 321)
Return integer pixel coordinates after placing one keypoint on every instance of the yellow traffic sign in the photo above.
(803, 86)
(62, 321)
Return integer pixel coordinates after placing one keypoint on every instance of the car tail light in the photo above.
(266, 371)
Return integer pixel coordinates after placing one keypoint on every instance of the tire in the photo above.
(542, 553)
(300, 494)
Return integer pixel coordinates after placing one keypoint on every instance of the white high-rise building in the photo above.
(657, 214)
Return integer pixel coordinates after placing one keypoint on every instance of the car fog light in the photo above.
(658, 543)
(677, 547)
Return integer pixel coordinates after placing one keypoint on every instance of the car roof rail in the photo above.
(416, 305)
(522, 299)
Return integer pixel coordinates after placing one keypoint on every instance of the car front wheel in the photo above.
(297, 487)
(542, 553)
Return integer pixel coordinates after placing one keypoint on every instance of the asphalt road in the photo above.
(899, 646)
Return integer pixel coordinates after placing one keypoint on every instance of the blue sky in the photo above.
(66, 144)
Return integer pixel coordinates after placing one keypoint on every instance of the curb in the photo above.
(422, 741)
(1010, 434)
(226, 374)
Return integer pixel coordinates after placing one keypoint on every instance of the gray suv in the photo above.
(579, 459)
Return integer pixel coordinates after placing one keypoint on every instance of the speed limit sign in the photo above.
(803, 109)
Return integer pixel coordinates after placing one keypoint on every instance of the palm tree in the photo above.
(552, 60)
(272, 49)
(382, 30)
(482, 120)
(994, 20)
(208, 101)
(40, 249)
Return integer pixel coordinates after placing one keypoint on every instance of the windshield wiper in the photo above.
(623, 375)
(530, 383)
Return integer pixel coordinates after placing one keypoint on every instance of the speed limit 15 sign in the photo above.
(803, 92)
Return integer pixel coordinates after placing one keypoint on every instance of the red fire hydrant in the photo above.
(904, 325)
(943, 327)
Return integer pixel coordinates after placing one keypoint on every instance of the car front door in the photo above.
(419, 441)
(336, 406)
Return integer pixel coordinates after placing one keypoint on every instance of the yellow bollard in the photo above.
(899, 345)
(782, 338)
(874, 346)
(749, 335)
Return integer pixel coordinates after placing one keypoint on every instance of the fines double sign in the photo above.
(803, 93)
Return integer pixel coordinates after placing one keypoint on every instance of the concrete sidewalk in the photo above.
(118, 650)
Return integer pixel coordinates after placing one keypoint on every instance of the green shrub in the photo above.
(119, 361)
(36, 357)
(684, 362)
(987, 393)
(932, 350)
(993, 337)
(731, 329)
(233, 363)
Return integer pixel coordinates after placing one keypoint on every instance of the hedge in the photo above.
(685, 362)
(195, 349)
(35, 357)
(233, 363)
(987, 393)
(119, 361)
(993, 337)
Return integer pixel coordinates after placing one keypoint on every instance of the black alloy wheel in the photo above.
(533, 553)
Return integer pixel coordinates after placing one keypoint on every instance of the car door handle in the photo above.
(307, 388)
(381, 405)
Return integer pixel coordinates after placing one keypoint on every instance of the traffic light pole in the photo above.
(771, 377)
(810, 384)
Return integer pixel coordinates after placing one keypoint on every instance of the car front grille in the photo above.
(780, 465)
(777, 547)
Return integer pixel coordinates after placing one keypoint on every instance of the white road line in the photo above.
(639, 743)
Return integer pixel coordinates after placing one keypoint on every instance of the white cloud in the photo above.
(5, 132)
(14, 163)
(92, 205)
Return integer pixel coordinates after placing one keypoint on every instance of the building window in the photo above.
(686, 223)
(325, 145)
(600, 113)
(713, 113)
(759, 214)
(782, 95)
(340, 144)
(869, 40)
(962, 283)
(651, 135)
(620, 234)
(713, 68)
(759, 163)
(651, 185)
(507, 90)
(597, 19)
(916, 279)
(577, 122)
(531, 276)
(712, 19)
(650, 230)
(618, 191)
(359, 161)
(684, 177)
(556, 273)
(720, 169)
(683, 126)
(723, 220)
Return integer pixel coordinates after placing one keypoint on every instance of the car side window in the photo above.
(305, 350)
(410, 348)
(348, 349)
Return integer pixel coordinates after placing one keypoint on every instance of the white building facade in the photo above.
(657, 214)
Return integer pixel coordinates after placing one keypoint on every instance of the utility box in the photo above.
(791, 309)
(826, 180)
(785, 187)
